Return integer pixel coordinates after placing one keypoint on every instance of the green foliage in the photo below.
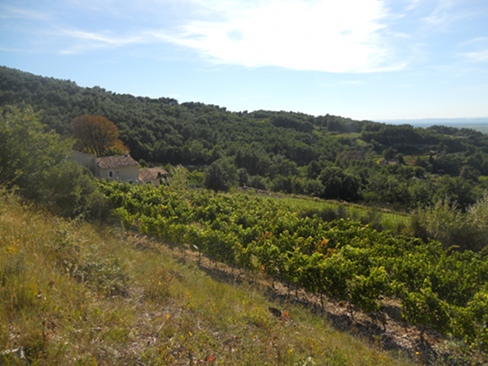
(27, 152)
(447, 223)
(366, 291)
(281, 151)
(339, 184)
(221, 175)
(38, 164)
(73, 293)
(443, 222)
(477, 217)
(426, 308)
(178, 177)
(342, 259)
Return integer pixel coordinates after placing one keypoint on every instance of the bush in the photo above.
(221, 175)
(38, 164)
(446, 223)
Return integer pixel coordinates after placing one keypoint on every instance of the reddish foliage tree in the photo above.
(96, 135)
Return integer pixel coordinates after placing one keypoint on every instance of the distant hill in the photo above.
(479, 124)
(326, 156)
(163, 130)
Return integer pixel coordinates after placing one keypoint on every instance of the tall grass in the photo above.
(380, 219)
(73, 293)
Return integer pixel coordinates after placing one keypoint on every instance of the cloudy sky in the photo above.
(364, 59)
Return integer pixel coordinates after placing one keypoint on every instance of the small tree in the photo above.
(38, 164)
(442, 222)
(179, 177)
(477, 217)
(97, 135)
(27, 152)
(221, 175)
(339, 184)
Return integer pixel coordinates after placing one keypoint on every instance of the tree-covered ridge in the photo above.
(162, 130)
(325, 156)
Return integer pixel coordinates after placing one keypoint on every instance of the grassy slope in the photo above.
(74, 293)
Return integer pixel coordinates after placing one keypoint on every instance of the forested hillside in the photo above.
(327, 156)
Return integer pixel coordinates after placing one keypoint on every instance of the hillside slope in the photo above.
(74, 293)
(332, 157)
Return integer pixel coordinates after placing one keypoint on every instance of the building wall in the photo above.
(86, 160)
(124, 174)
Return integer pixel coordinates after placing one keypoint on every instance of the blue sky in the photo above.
(364, 59)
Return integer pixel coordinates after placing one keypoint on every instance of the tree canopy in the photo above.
(96, 135)
(37, 163)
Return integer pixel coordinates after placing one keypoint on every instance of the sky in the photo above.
(364, 59)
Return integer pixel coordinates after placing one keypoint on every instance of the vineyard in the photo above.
(444, 290)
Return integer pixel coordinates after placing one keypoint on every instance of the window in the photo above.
(111, 174)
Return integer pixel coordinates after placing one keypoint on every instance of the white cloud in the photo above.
(476, 40)
(83, 41)
(448, 12)
(353, 82)
(441, 14)
(413, 4)
(479, 56)
(319, 35)
(14, 12)
(341, 83)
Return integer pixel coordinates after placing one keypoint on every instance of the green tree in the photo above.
(38, 164)
(71, 191)
(221, 175)
(389, 153)
(477, 218)
(179, 177)
(27, 152)
(339, 184)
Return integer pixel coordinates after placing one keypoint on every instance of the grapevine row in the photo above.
(341, 259)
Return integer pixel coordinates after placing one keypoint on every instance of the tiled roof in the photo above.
(116, 161)
(148, 174)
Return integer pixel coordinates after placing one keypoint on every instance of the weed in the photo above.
(158, 286)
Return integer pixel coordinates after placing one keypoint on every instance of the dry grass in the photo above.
(73, 293)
